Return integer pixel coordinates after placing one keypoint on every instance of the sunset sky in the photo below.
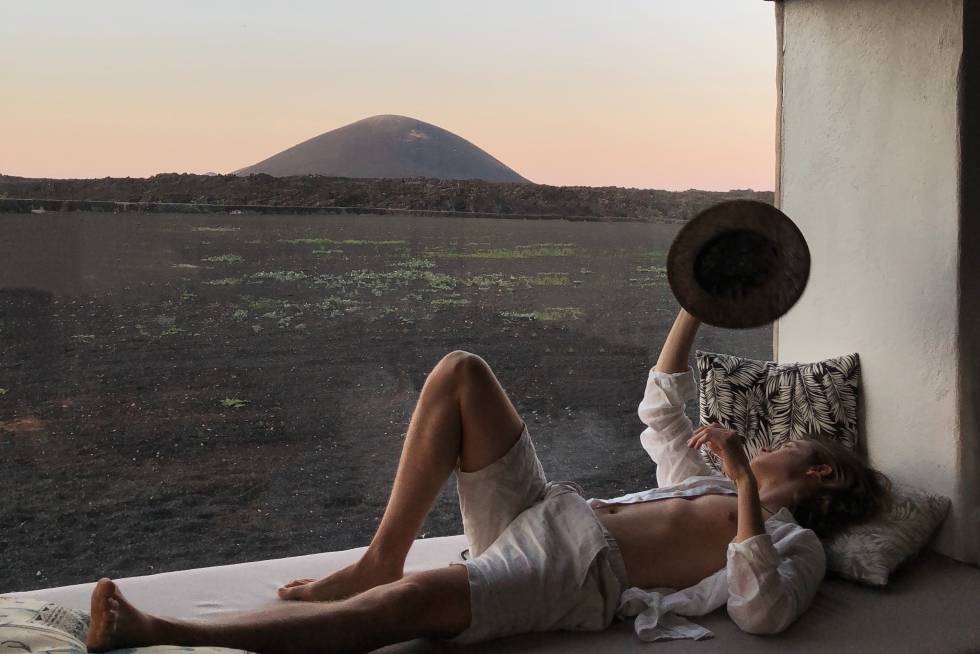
(646, 93)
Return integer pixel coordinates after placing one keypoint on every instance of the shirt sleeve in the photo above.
(768, 589)
(668, 427)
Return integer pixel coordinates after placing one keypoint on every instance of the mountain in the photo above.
(386, 146)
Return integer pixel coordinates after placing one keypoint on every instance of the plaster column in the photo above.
(879, 165)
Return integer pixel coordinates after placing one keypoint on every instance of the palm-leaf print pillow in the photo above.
(770, 403)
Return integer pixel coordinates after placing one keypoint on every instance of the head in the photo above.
(831, 486)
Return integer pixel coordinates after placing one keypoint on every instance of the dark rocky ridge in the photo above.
(386, 146)
(418, 194)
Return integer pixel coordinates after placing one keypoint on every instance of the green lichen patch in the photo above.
(547, 314)
(415, 263)
(439, 281)
(325, 242)
(660, 271)
(489, 281)
(334, 306)
(225, 259)
(449, 302)
(518, 252)
(546, 279)
(379, 282)
(280, 275)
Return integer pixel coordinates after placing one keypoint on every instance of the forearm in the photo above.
(677, 347)
(750, 522)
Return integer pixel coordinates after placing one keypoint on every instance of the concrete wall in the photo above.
(870, 170)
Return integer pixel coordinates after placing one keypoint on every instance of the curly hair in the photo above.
(854, 492)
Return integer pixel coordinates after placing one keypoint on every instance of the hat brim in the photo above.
(738, 264)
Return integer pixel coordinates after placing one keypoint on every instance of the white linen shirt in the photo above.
(769, 579)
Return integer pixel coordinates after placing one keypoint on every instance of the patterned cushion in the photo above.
(30, 625)
(871, 551)
(771, 403)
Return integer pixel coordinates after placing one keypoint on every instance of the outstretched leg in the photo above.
(433, 604)
(462, 414)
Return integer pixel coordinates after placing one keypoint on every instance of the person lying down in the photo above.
(542, 556)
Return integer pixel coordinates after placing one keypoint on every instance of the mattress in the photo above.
(932, 605)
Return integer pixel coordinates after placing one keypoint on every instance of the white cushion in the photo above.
(204, 592)
(871, 551)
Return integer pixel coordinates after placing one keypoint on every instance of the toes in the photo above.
(105, 587)
(104, 590)
(103, 615)
(293, 592)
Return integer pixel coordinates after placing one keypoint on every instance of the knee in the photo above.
(463, 366)
(427, 605)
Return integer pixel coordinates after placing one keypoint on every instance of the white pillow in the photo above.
(871, 551)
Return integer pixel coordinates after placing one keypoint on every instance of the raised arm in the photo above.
(677, 347)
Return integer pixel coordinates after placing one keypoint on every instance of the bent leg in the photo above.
(464, 415)
(433, 604)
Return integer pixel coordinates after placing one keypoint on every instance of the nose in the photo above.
(765, 450)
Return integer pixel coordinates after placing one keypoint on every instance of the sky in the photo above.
(667, 94)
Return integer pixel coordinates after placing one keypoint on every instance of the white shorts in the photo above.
(541, 560)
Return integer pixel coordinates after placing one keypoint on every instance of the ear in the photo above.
(820, 471)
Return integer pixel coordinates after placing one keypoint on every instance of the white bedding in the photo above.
(930, 606)
(210, 591)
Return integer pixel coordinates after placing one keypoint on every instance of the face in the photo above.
(791, 459)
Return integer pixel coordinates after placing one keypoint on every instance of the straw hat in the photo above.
(738, 264)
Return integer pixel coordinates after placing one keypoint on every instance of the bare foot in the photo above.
(355, 578)
(115, 622)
